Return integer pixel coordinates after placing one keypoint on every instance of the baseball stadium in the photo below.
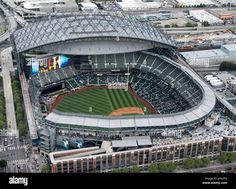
(102, 76)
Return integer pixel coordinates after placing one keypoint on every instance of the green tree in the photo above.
(2, 124)
(3, 163)
(224, 66)
(19, 117)
(45, 169)
(205, 23)
(232, 29)
(15, 87)
(17, 90)
(167, 26)
(234, 156)
(222, 158)
(2, 102)
(124, 170)
(197, 163)
(174, 25)
(1, 98)
(2, 116)
(189, 24)
(17, 98)
(17, 93)
(19, 109)
(205, 161)
(162, 167)
(231, 157)
(115, 171)
(171, 166)
(153, 168)
(2, 109)
(22, 129)
(135, 169)
(188, 163)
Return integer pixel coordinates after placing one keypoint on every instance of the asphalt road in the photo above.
(16, 158)
(172, 10)
(13, 153)
(28, 107)
(7, 66)
(12, 24)
(10, 17)
(5, 44)
(210, 169)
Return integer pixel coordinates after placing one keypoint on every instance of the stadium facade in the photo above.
(95, 159)
(97, 49)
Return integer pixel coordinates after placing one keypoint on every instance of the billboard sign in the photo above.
(40, 65)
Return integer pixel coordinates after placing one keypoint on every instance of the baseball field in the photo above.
(103, 102)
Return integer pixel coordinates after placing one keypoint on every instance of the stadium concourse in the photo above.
(78, 58)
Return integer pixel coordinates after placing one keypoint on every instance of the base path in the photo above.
(127, 111)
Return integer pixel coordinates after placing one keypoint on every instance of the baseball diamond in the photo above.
(102, 101)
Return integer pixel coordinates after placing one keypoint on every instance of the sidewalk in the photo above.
(216, 167)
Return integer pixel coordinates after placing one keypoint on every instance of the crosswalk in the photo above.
(15, 147)
(19, 161)
(11, 148)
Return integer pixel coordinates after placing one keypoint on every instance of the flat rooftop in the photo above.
(213, 53)
(224, 95)
(141, 140)
(77, 153)
(230, 47)
(124, 143)
(202, 133)
(203, 15)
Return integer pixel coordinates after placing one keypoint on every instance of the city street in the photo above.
(6, 140)
(210, 169)
(7, 67)
(36, 162)
(16, 157)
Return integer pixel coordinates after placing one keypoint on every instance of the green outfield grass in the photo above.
(102, 101)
